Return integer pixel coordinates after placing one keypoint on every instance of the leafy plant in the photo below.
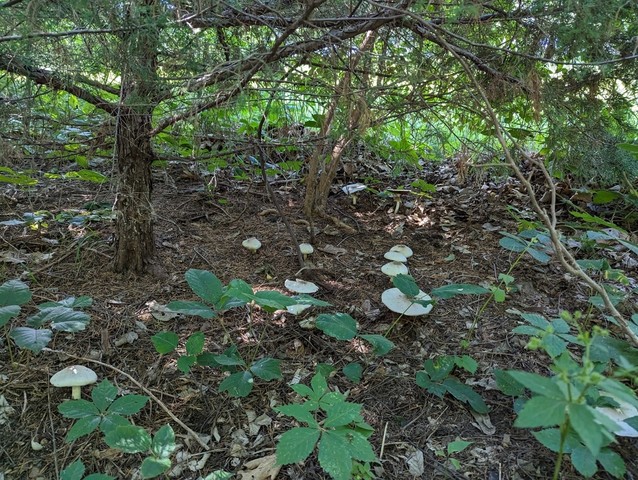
(437, 379)
(451, 448)
(61, 315)
(566, 406)
(335, 428)
(75, 471)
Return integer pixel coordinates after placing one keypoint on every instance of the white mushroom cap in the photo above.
(300, 286)
(75, 376)
(298, 308)
(403, 250)
(251, 244)
(400, 303)
(306, 248)
(395, 256)
(394, 268)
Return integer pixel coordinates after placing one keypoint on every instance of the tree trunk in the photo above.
(134, 240)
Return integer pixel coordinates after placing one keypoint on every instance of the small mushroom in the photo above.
(251, 244)
(398, 302)
(300, 286)
(403, 250)
(75, 376)
(395, 257)
(392, 269)
(306, 249)
(298, 308)
(352, 190)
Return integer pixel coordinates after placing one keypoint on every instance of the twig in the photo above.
(140, 386)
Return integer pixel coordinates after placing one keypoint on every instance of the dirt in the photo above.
(200, 223)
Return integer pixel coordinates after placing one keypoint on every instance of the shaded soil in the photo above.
(200, 223)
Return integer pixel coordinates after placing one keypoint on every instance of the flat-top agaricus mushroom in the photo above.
(300, 286)
(306, 249)
(399, 302)
(392, 269)
(251, 244)
(75, 376)
(403, 250)
(395, 256)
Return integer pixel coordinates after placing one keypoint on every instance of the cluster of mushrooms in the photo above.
(393, 298)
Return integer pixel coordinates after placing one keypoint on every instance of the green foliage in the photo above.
(451, 448)
(75, 471)
(436, 377)
(62, 316)
(334, 428)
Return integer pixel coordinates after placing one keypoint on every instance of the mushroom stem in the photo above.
(76, 392)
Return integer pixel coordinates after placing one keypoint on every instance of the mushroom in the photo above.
(75, 376)
(399, 302)
(251, 244)
(298, 308)
(352, 190)
(306, 249)
(395, 256)
(392, 269)
(403, 250)
(300, 286)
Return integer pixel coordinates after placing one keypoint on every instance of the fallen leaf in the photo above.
(263, 468)
(414, 459)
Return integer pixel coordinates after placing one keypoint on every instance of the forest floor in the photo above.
(200, 224)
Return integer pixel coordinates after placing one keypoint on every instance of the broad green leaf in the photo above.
(499, 294)
(70, 302)
(164, 442)
(238, 384)
(78, 409)
(7, 313)
(334, 455)
(303, 390)
(324, 369)
(612, 463)
(541, 411)
(99, 476)
(440, 367)
(535, 319)
(153, 467)
(551, 438)
(538, 384)
(299, 413)
(507, 384)
(128, 404)
(14, 292)
(338, 325)
(631, 246)
(185, 362)
(512, 244)
(273, 299)
(225, 359)
(319, 385)
(330, 399)
(457, 446)
(103, 394)
(207, 359)
(191, 308)
(238, 288)
(466, 394)
(341, 414)
(586, 217)
(602, 197)
(359, 446)
(450, 291)
(466, 362)
(31, 339)
(74, 471)
(380, 344)
(165, 342)
(423, 380)
(296, 444)
(205, 285)
(113, 420)
(129, 439)
(267, 369)
(539, 255)
(195, 343)
(353, 372)
(583, 421)
(82, 427)
(584, 462)
(72, 321)
(406, 284)
(55, 314)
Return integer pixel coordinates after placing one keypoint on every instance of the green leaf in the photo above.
(185, 362)
(406, 284)
(54, 314)
(164, 442)
(512, 244)
(205, 285)
(191, 308)
(113, 420)
(423, 380)
(440, 367)
(153, 467)
(103, 395)
(359, 446)
(74, 471)
(466, 362)
(7, 313)
(267, 369)
(195, 343)
(296, 444)
(31, 339)
(466, 394)
(165, 342)
(541, 411)
(99, 476)
(507, 384)
(586, 217)
(299, 413)
(539, 256)
(538, 384)
(612, 463)
(14, 292)
(273, 299)
(499, 294)
(341, 414)
(457, 446)
(82, 427)
(238, 384)
(338, 325)
(71, 321)
(353, 372)
(129, 439)
(583, 461)
(449, 291)
(319, 385)
(583, 421)
(334, 455)
(128, 404)
(380, 344)
(78, 409)
(225, 359)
